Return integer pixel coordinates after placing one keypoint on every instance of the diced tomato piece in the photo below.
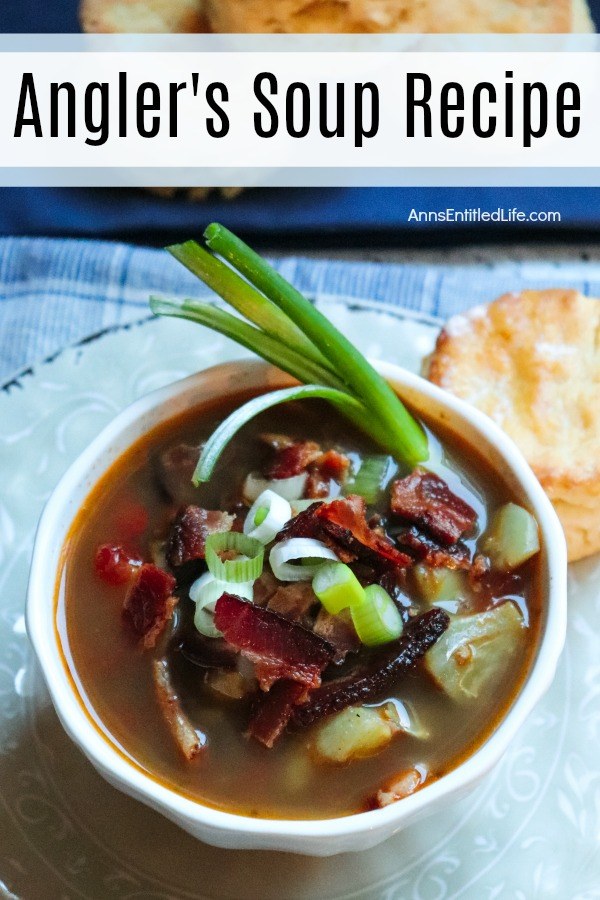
(114, 564)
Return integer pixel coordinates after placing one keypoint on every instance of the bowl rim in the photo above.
(119, 769)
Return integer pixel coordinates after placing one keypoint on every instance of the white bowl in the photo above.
(322, 837)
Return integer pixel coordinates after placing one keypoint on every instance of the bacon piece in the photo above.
(305, 525)
(189, 741)
(293, 601)
(330, 465)
(339, 632)
(273, 711)
(173, 470)
(342, 525)
(333, 464)
(427, 550)
(344, 521)
(150, 603)
(277, 647)
(316, 485)
(115, 565)
(293, 459)
(404, 784)
(425, 500)
(189, 531)
(369, 681)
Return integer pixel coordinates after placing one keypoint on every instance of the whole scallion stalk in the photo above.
(290, 333)
(406, 433)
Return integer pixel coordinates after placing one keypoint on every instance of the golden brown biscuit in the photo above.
(394, 16)
(336, 16)
(142, 16)
(531, 361)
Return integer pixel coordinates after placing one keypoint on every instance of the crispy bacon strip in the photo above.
(187, 539)
(305, 525)
(342, 525)
(425, 549)
(273, 711)
(345, 522)
(189, 741)
(293, 459)
(368, 682)
(277, 647)
(425, 500)
(330, 465)
(149, 603)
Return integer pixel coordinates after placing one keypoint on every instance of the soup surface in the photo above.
(412, 730)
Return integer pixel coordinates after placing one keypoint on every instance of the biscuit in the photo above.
(142, 16)
(335, 16)
(394, 16)
(531, 361)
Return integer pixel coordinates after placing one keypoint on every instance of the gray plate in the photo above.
(532, 829)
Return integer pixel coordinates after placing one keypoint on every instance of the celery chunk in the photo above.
(512, 537)
(440, 586)
(477, 651)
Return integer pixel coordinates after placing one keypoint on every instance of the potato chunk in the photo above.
(356, 732)
(476, 651)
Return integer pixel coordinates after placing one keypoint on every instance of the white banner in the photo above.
(220, 114)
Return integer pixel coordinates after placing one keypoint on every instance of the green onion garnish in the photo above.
(337, 587)
(376, 619)
(219, 439)
(286, 330)
(356, 371)
(234, 571)
(372, 478)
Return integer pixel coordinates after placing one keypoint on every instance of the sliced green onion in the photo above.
(220, 438)
(288, 488)
(234, 571)
(267, 517)
(337, 587)
(205, 592)
(408, 437)
(376, 619)
(244, 298)
(298, 549)
(372, 478)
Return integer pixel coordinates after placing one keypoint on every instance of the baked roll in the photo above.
(531, 361)
(336, 16)
(143, 16)
(394, 16)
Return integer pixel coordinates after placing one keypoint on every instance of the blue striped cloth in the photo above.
(55, 292)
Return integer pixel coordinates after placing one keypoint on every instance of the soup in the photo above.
(359, 631)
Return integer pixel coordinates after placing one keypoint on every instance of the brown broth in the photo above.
(113, 676)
